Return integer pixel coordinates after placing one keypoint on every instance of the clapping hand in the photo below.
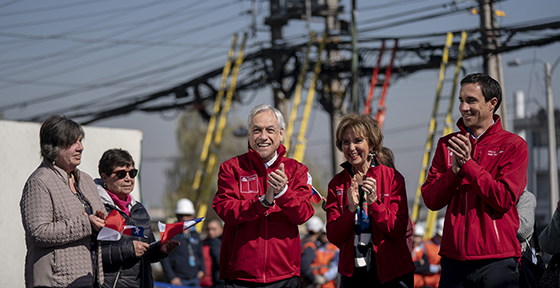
(353, 195)
(370, 187)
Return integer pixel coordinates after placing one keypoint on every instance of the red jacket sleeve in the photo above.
(295, 202)
(391, 216)
(502, 191)
(340, 221)
(227, 203)
(441, 184)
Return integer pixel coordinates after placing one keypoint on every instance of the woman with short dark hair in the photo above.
(126, 262)
(61, 213)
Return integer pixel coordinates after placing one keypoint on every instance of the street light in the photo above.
(552, 163)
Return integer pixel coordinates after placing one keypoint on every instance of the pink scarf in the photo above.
(122, 204)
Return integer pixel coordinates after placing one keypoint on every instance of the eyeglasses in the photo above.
(122, 173)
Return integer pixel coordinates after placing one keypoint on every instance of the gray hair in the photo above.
(265, 107)
(58, 132)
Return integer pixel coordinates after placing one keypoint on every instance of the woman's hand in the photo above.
(370, 187)
(140, 248)
(96, 222)
(353, 195)
(169, 246)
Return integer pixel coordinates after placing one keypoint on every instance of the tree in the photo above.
(191, 130)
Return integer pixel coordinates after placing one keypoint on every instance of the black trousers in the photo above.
(479, 273)
(286, 283)
(361, 277)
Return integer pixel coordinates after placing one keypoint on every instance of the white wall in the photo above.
(19, 156)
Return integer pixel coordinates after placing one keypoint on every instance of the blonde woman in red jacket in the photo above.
(367, 212)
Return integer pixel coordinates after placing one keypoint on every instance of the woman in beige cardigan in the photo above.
(61, 213)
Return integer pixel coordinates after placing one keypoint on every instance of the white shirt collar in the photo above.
(267, 164)
(476, 137)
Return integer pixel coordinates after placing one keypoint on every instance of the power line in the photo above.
(412, 20)
(125, 53)
(9, 3)
(112, 96)
(85, 15)
(43, 9)
(406, 13)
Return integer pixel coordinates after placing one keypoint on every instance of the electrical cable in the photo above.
(106, 59)
(9, 3)
(43, 9)
(405, 13)
(65, 52)
(84, 16)
(412, 20)
(388, 5)
(112, 96)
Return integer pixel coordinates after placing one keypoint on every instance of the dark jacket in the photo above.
(214, 245)
(120, 263)
(178, 263)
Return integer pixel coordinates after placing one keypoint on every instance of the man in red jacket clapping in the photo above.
(478, 173)
(262, 197)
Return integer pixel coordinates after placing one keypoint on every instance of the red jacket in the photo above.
(481, 221)
(389, 229)
(261, 244)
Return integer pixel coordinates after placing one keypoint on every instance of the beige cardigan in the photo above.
(57, 233)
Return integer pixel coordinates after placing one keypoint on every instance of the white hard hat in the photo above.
(439, 226)
(419, 229)
(184, 207)
(314, 224)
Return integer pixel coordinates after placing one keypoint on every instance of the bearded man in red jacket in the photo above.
(478, 173)
(262, 197)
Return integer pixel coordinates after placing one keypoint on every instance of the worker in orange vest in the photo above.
(309, 251)
(419, 255)
(432, 247)
(326, 262)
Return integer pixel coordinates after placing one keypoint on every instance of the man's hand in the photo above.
(461, 147)
(353, 195)
(176, 281)
(277, 181)
(169, 246)
(370, 187)
(200, 274)
(140, 248)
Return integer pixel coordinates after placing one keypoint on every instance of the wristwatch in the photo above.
(266, 203)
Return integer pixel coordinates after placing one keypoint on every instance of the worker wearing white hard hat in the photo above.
(185, 207)
(186, 265)
(315, 228)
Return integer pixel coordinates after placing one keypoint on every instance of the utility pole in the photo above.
(355, 75)
(492, 61)
(276, 21)
(552, 161)
(337, 90)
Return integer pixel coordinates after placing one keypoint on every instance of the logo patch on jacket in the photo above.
(449, 160)
(494, 153)
(249, 184)
(339, 191)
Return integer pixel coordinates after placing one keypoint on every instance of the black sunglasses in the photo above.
(122, 173)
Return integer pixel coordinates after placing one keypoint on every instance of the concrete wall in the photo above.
(19, 156)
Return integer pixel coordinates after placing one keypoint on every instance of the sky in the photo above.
(76, 56)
